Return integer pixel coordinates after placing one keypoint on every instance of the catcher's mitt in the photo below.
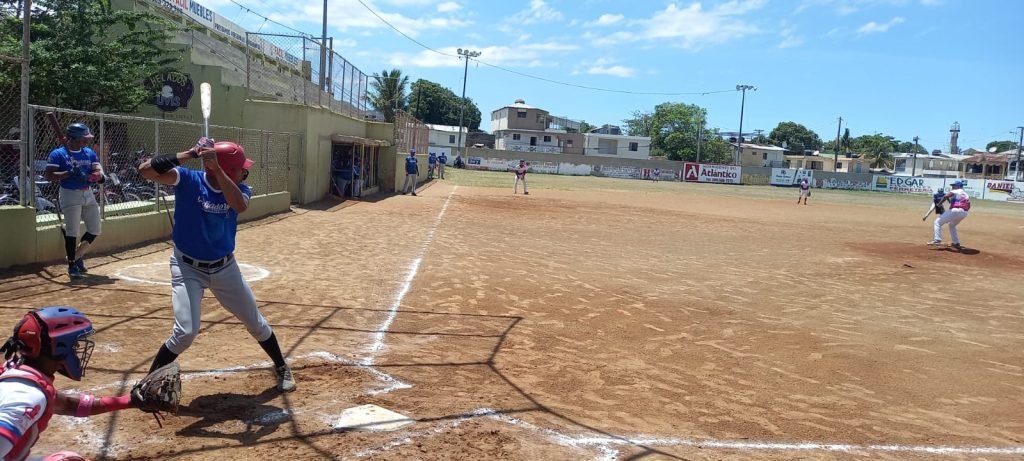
(159, 391)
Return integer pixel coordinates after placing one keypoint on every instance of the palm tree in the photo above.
(880, 154)
(387, 93)
(844, 143)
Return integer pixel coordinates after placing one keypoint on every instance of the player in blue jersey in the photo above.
(412, 170)
(207, 205)
(431, 165)
(76, 167)
(442, 161)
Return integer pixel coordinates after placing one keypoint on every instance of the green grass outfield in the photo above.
(540, 182)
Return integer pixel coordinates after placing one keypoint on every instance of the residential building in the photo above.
(852, 163)
(987, 166)
(934, 165)
(524, 128)
(445, 138)
(608, 141)
(1014, 157)
(762, 155)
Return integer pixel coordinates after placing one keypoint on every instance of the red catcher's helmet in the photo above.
(60, 333)
(231, 157)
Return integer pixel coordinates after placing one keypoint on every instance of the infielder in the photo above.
(520, 172)
(442, 160)
(805, 191)
(205, 224)
(959, 205)
(412, 170)
(76, 167)
(45, 342)
(656, 175)
(937, 200)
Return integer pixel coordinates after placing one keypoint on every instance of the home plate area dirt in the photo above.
(597, 324)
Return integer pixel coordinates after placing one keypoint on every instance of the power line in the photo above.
(266, 19)
(535, 77)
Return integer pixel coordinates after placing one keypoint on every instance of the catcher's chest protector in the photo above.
(28, 439)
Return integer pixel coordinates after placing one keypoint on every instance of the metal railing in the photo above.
(122, 143)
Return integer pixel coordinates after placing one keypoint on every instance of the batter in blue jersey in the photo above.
(207, 204)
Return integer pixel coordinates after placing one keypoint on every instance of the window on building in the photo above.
(515, 137)
(568, 143)
(634, 147)
(764, 156)
(547, 139)
(521, 114)
(451, 139)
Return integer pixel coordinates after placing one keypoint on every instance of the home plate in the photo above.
(366, 418)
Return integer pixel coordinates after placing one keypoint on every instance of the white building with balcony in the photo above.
(445, 138)
(933, 165)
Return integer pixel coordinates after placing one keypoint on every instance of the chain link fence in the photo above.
(287, 68)
(125, 142)
(10, 130)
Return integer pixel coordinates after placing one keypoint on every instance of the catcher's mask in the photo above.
(59, 333)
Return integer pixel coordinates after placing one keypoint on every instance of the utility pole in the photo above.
(1017, 174)
(26, 194)
(743, 103)
(835, 162)
(323, 52)
(467, 55)
(700, 134)
(913, 168)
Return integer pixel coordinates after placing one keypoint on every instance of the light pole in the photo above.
(743, 103)
(913, 168)
(467, 55)
(1016, 173)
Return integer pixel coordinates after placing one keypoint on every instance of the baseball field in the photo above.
(593, 319)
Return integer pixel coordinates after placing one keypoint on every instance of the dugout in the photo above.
(355, 159)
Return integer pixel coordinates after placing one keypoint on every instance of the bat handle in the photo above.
(206, 127)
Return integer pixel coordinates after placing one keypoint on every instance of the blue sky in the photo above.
(899, 67)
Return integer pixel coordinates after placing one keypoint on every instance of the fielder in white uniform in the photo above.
(805, 191)
(205, 222)
(520, 172)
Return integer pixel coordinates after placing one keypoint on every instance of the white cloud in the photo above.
(790, 39)
(690, 27)
(448, 7)
(875, 27)
(538, 12)
(615, 71)
(356, 17)
(605, 20)
(539, 54)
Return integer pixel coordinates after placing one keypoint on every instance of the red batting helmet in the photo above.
(231, 157)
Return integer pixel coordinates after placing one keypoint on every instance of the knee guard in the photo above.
(89, 237)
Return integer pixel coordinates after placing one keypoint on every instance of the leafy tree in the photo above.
(796, 136)
(387, 93)
(910, 148)
(432, 103)
(85, 55)
(864, 144)
(879, 150)
(1001, 146)
(673, 129)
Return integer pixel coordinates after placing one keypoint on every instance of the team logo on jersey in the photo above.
(210, 207)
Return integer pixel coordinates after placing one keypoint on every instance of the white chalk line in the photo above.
(122, 273)
(606, 445)
(382, 330)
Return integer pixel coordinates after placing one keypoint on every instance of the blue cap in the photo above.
(958, 183)
(78, 131)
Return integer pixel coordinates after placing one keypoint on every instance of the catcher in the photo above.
(56, 340)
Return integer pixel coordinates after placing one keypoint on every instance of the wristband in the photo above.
(84, 405)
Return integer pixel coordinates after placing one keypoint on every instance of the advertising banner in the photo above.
(720, 174)
(843, 184)
(1004, 191)
(622, 172)
(791, 176)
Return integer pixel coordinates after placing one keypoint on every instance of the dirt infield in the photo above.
(622, 321)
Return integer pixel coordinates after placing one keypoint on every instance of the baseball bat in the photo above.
(63, 141)
(206, 103)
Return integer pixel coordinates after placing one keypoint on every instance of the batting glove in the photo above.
(203, 143)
